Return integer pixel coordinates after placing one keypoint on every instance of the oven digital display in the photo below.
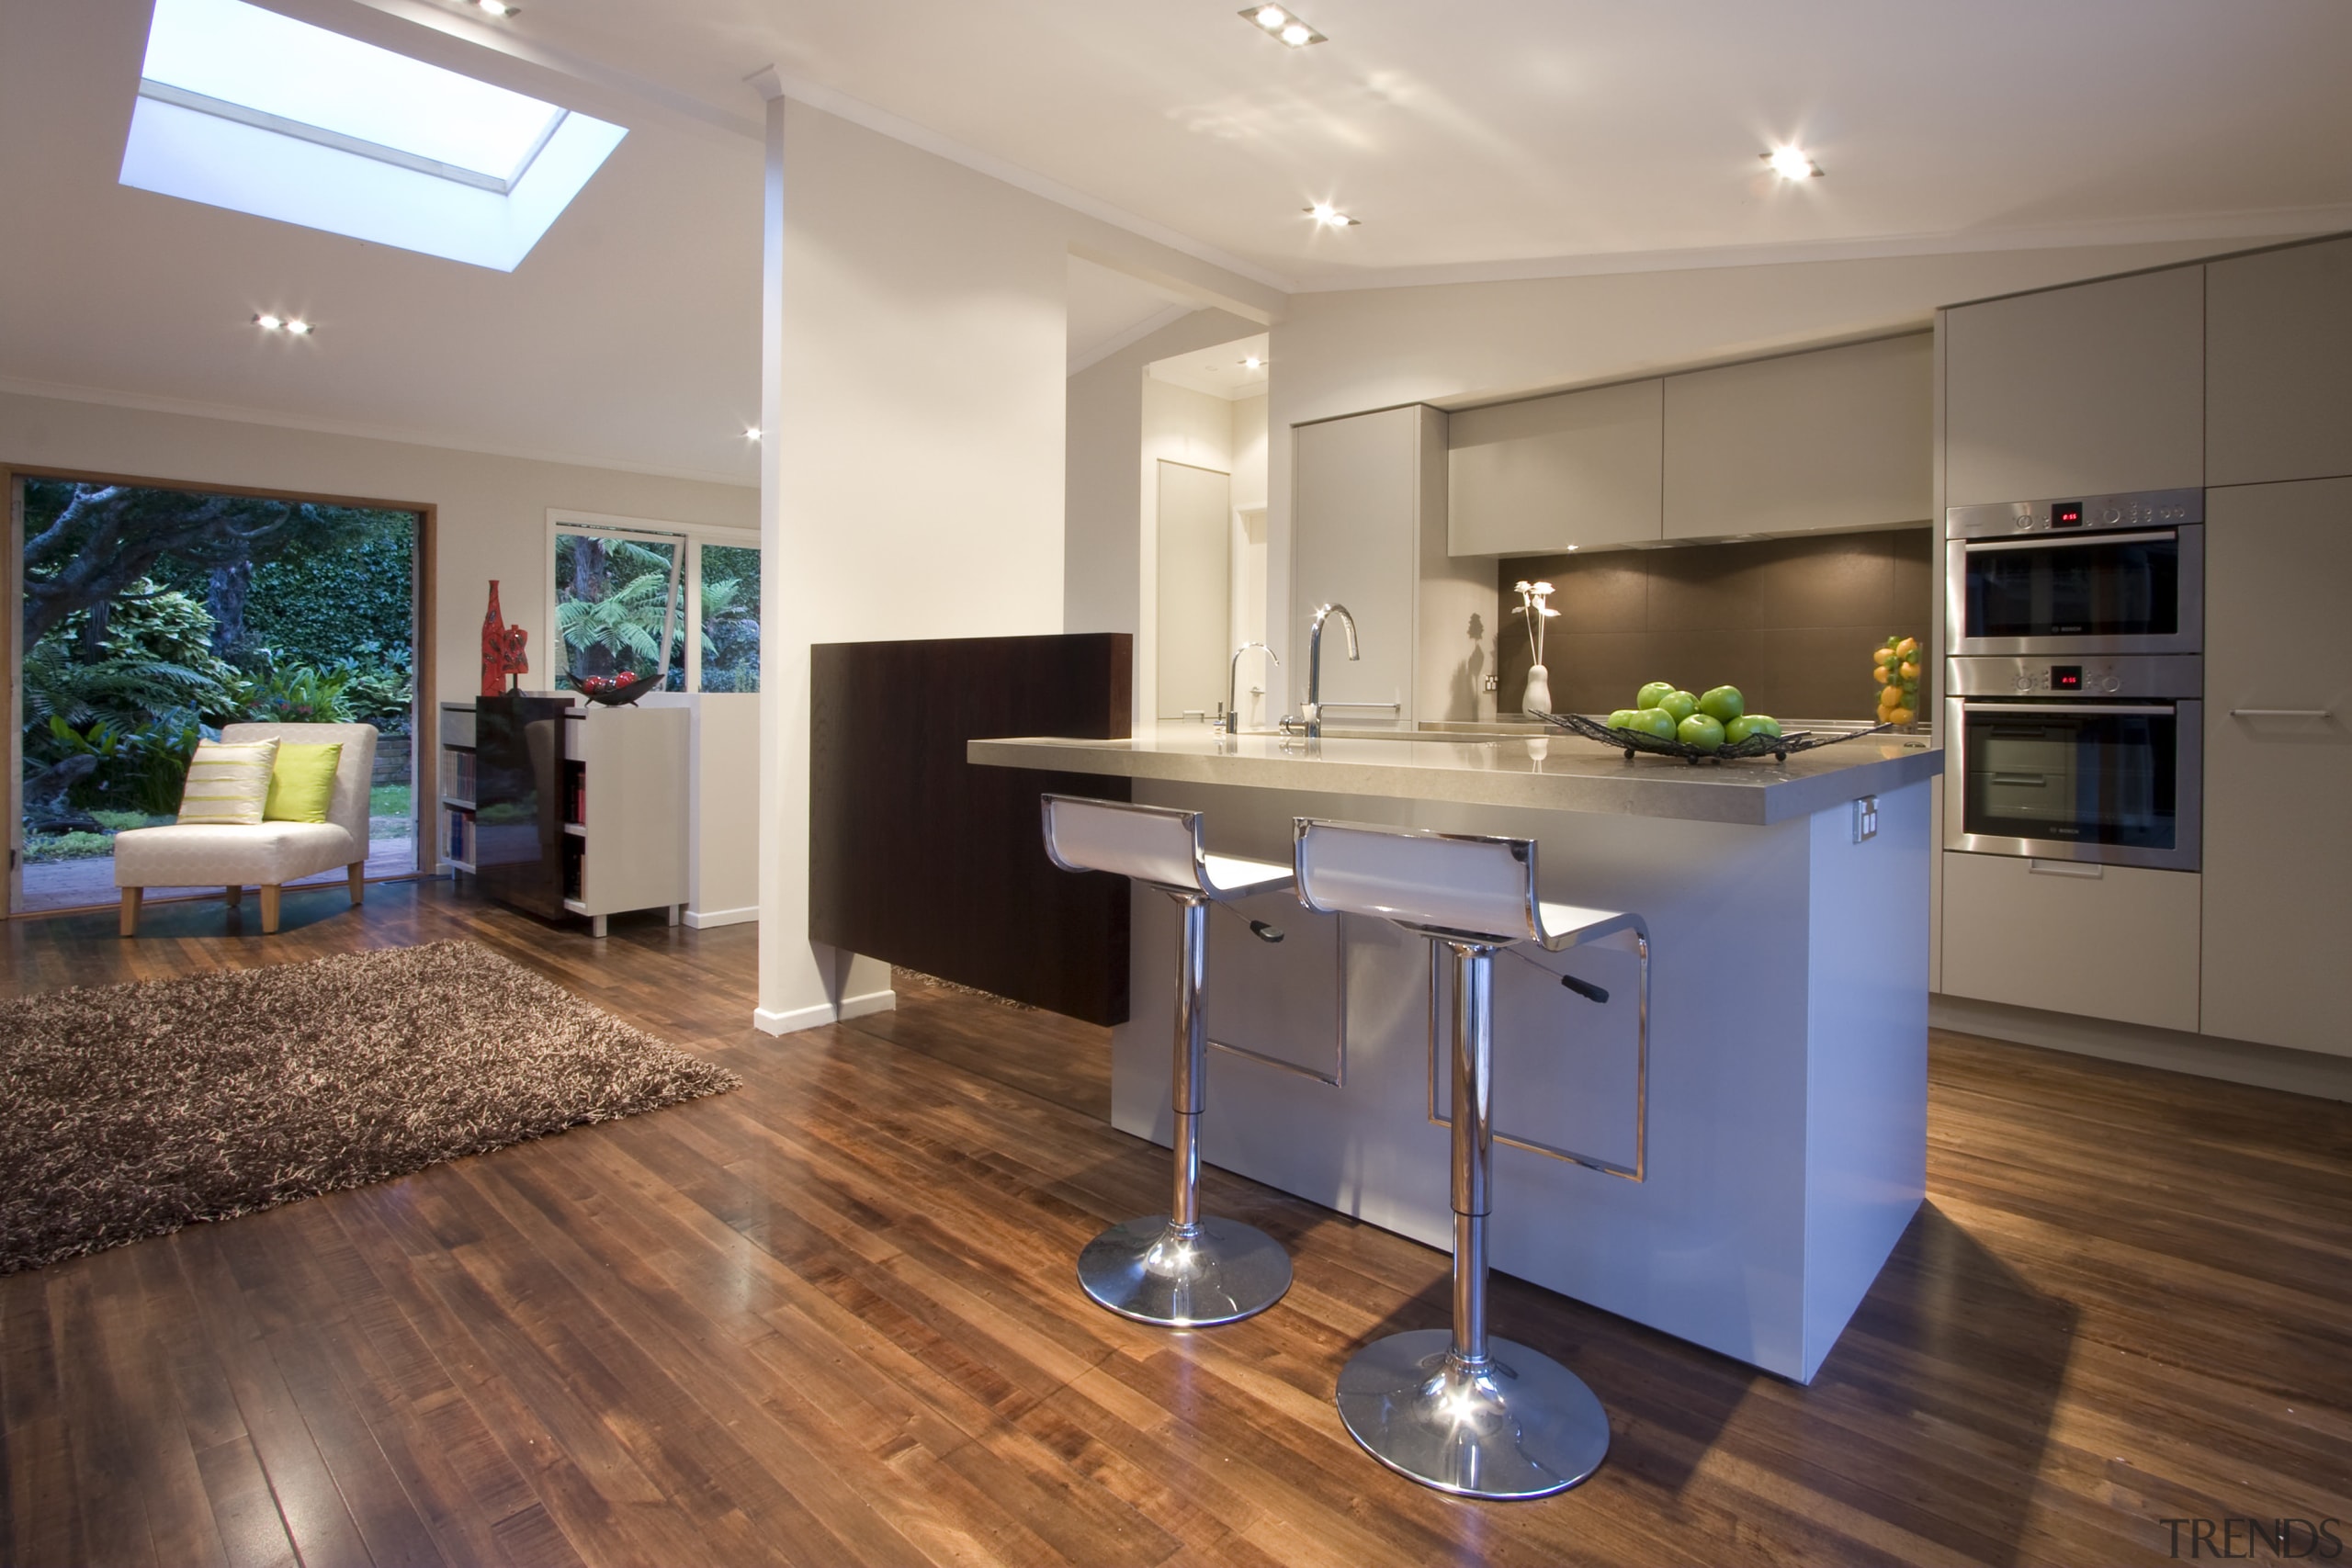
(2065, 677)
(2065, 514)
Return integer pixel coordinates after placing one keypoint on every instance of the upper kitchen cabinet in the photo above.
(1837, 438)
(1357, 506)
(2093, 390)
(2278, 364)
(1539, 477)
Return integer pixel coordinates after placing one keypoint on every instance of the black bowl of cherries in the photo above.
(614, 691)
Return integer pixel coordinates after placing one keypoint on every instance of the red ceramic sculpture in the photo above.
(493, 646)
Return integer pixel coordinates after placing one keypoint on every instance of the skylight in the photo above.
(246, 108)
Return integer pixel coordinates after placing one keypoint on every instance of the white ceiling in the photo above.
(1222, 369)
(628, 338)
(1517, 132)
(1109, 310)
(1512, 137)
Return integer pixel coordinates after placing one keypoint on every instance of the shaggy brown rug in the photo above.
(131, 1111)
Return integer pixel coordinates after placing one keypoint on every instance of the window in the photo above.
(621, 592)
(244, 109)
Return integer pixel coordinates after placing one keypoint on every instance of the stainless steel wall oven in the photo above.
(2083, 759)
(2103, 574)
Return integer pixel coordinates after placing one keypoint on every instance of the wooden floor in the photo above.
(830, 1319)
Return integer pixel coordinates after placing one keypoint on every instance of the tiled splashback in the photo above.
(1790, 622)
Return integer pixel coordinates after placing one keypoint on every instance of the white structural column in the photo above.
(802, 984)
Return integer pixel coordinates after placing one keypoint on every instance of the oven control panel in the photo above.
(2077, 514)
(2067, 681)
(2124, 677)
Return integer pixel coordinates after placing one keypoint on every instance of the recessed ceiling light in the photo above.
(297, 326)
(1253, 363)
(1329, 217)
(1290, 29)
(268, 322)
(1792, 164)
(496, 8)
(751, 433)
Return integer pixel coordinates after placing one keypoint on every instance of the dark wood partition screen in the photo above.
(917, 857)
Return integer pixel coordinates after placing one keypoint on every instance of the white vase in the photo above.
(1539, 690)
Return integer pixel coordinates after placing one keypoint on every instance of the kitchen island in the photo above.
(1740, 1183)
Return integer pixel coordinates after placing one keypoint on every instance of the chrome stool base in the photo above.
(1523, 1425)
(1152, 1271)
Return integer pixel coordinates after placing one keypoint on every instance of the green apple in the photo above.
(1654, 721)
(1738, 729)
(1763, 724)
(1622, 718)
(1722, 703)
(1702, 731)
(1681, 705)
(1651, 694)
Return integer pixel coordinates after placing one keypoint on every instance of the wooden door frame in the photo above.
(424, 746)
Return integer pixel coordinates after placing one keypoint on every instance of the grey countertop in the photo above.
(1558, 773)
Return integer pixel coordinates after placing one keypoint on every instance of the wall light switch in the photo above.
(1866, 818)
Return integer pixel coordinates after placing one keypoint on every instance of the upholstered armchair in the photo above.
(267, 854)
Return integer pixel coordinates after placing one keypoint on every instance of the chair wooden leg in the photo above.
(235, 896)
(131, 896)
(358, 870)
(269, 909)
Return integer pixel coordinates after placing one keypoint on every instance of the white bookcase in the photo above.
(622, 798)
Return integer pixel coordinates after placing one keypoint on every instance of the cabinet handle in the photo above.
(2037, 867)
(2280, 713)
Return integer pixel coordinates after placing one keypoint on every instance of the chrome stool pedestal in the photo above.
(1181, 1270)
(1460, 1409)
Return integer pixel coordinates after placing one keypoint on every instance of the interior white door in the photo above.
(1195, 597)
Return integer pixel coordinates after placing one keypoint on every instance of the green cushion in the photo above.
(228, 785)
(301, 785)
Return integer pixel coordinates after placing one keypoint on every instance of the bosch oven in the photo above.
(2101, 574)
(2080, 759)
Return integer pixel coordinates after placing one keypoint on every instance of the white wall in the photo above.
(915, 374)
(1460, 344)
(491, 518)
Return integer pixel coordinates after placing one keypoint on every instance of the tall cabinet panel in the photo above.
(2278, 366)
(1355, 541)
(1838, 438)
(1550, 474)
(2277, 763)
(2095, 388)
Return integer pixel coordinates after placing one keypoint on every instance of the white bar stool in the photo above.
(1181, 1269)
(1458, 1410)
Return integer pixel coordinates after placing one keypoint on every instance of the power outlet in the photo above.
(1866, 818)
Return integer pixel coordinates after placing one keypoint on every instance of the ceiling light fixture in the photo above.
(297, 326)
(1330, 216)
(271, 322)
(1791, 162)
(1283, 25)
(751, 433)
(268, 322)
(1253, 363)
(498, 8)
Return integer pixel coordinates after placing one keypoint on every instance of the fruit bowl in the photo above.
(614, 691)
(1632, 740)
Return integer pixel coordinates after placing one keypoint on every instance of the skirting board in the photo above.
(699, 919)
(2205, 1055)
(785, 1022)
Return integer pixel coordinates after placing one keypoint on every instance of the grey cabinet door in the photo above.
(1538, 476)
(1838, 438)
(1355, 528)
(2278, 366)
(2277, 784)
(2092, 389)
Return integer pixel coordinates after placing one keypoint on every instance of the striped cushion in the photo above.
(228, 785)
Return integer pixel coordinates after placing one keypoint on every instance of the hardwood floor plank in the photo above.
(832, 1317)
